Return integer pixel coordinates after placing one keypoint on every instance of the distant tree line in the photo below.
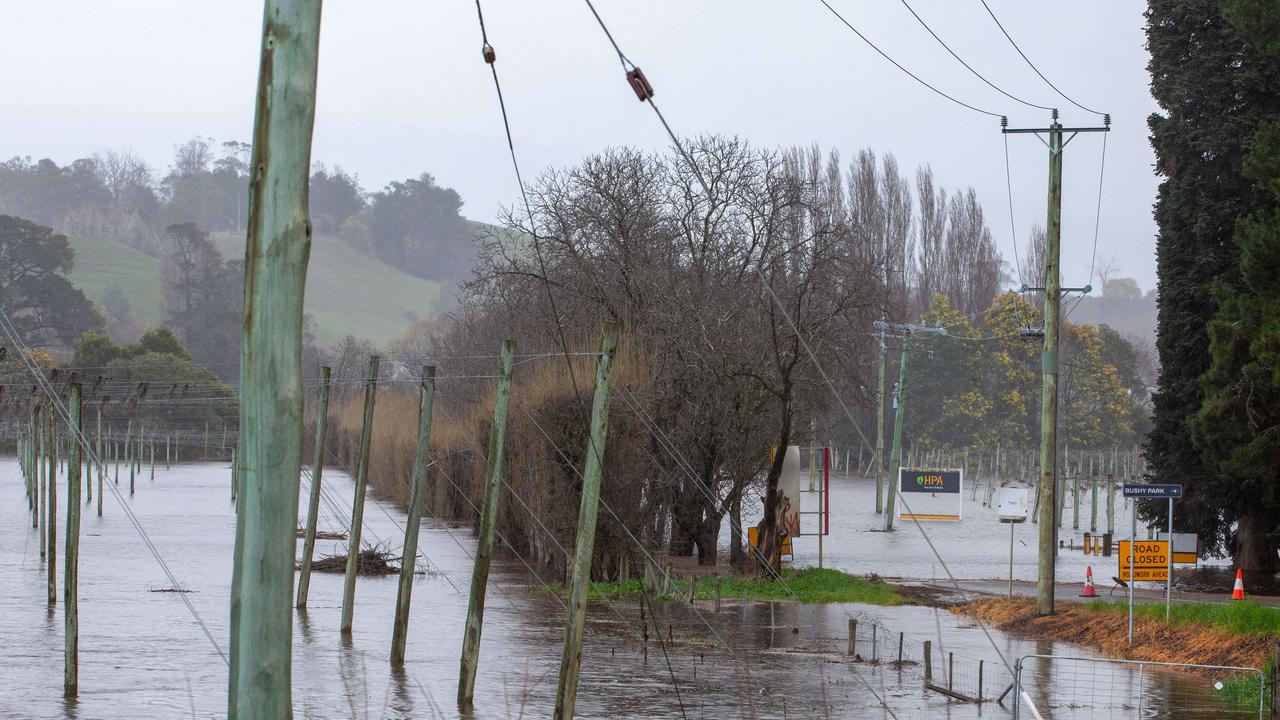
(415, 224)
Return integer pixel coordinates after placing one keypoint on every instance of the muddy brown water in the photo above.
(142, 654)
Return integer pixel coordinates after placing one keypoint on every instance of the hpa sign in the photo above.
(930, 481)
(930, 494)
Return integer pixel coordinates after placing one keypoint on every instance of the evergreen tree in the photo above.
(1215, 89)
(1237, 430)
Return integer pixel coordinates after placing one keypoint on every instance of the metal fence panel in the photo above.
(1073, 687)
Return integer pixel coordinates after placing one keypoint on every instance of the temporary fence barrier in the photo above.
(1076, 687)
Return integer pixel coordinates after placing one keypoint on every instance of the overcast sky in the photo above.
(403, 89)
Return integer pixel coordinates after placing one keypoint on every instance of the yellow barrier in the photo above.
(753, 537)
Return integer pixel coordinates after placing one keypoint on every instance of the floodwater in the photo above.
(975, 548)
(143, 655)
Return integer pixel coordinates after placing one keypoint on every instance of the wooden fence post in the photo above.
(417, 496)
(571, 659)
(488, 519)
(357, 502)
(70, 576)
(276, 252)
(928, 661)
(313, 500)
(853, 632)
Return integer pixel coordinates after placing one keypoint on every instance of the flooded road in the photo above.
(974, 548)
(143, 655)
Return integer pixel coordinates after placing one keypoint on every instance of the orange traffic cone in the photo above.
(1238, 592)
(1089, 591)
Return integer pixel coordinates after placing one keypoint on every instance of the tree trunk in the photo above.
(1254, 551)
(708, 539)
(770, 543)
(736, 555)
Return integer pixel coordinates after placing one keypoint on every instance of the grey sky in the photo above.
(403, 89)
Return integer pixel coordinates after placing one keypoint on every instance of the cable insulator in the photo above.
(1106, 120)
(640, 84)
(490, 56)
(1055, 114)
(1004, 121)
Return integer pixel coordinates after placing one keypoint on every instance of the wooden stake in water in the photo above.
(102, 469)
(277, 249)
(417, 494)
(571, 658)
(357, 503)
(51, 510)
(313, 501)
(130, 459)
(488, 519)
(70, 580)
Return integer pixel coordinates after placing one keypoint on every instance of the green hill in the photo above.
(99, 264)
(348, 293)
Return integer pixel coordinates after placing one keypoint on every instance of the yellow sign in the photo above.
(1150, 560)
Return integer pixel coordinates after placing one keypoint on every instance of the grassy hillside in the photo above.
(347, 293)
(99, 264)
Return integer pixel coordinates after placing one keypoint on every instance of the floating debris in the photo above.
(323, 534)
(371, 561)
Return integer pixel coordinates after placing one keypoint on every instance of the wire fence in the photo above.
(1071, 687)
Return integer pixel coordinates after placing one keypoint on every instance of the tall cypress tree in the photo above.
(1238, 427)
(1216, 89)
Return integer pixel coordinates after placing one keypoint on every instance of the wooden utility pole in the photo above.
(357, 502)
(313, 501)
(70, 577)
(1048, 501)
(488, 521)
(895, 455)
(417, 494)
(879, 456)
(277, 249)
(571, 658)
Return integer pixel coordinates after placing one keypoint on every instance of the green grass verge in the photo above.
(808, 585)
(1243, 617)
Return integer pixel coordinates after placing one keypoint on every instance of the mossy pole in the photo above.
(102, 469)
(357, 502)
(879, 454)
(128, 457)
(400, 629)
(313, 501)
(51, 511)
(488, 520)
(37, 467)
(277, 249)
(571, 658)
(70, 576)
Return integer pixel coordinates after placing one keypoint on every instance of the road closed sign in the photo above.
(1150, 560)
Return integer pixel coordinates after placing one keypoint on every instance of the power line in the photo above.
(966, 65)
(899, 65)
(1031, 64)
